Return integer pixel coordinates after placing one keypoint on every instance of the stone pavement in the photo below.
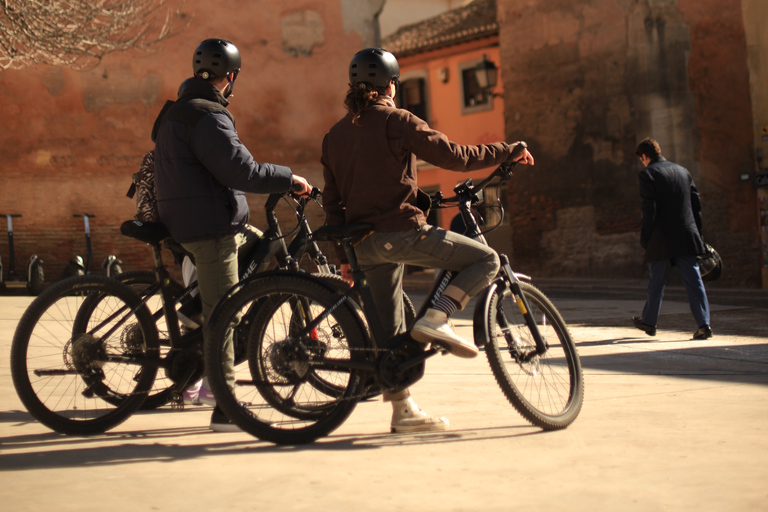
(667, 424)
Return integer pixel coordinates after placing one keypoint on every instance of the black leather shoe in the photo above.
(649, 329)
(703, 333)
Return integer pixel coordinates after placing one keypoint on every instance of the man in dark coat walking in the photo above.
(671, 233)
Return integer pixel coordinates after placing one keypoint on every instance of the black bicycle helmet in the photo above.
(375, 66)
(215, 58)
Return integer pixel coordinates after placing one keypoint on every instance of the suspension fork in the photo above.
(517, 292)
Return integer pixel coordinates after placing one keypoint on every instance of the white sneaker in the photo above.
(434, 327)
(407, 417)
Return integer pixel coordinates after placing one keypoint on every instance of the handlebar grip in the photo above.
(519, 148)
(296, 187)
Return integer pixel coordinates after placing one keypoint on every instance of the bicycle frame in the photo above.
(466, 195)
(272, 246)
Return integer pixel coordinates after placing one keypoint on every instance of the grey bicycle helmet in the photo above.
(215, 58)
(375, 66)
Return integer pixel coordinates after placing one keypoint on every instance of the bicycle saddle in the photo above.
(147, 232)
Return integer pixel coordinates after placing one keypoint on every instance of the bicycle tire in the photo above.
(255, 320)
(58, 370)
(342, 333)
(140, 280)
(547, 390)
(372, 388)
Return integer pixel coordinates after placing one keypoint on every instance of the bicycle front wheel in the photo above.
(79, 379)
(289, 389)
(546, 389)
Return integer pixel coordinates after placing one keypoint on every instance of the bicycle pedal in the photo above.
(441, 348)
(176, 401)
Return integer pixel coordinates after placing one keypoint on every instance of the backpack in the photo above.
(143, 187)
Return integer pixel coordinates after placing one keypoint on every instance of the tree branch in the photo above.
(77, 34)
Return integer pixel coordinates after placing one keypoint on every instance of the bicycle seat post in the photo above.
(361, 285)
(169, 301)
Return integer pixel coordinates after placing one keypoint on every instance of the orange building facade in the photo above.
(439, 84)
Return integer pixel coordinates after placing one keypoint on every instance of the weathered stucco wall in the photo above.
(70, 141)
(755, 14)
(584, 83)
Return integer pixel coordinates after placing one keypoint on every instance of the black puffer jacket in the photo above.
(202, 169)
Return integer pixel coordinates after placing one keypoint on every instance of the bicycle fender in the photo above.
(482, 305)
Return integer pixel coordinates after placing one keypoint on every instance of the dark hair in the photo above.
(649, 148)
(359, 97)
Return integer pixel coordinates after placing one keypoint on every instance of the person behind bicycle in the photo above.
(202, 170)
(369, 167)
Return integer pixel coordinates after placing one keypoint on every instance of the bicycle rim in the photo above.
(139, 281)
(59, 368)
(282, 394)
(546, 389)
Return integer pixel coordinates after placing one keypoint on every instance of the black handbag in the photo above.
(710, 263)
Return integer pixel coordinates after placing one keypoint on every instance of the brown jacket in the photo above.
(370, 168)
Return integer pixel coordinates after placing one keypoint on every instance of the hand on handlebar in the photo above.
(301, 186)
(521, 156)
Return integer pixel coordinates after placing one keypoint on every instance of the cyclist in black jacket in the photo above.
(202, 171)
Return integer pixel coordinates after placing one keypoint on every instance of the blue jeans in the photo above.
(694, 287)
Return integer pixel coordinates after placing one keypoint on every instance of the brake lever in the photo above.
(313, 194)
(510, 163)
(437, 199)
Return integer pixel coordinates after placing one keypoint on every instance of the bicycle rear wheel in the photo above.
(547, 389)
(372, 388)
(140, 281)
(84, 381)
(288, 391)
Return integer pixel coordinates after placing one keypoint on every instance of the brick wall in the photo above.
(584, 83)
(70, 141)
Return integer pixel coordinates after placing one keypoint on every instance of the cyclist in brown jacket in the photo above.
(369, 166)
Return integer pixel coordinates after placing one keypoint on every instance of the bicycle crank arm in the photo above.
(140, 361)
(410, 363)
(50, 373)
(342, 365)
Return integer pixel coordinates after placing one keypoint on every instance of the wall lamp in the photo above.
(487, 75)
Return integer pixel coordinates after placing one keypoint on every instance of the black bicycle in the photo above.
(87, 351)
(90, 351)
(312, 347)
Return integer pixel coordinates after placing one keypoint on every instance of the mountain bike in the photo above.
(90, 351)
(312, 346)
(87, 350)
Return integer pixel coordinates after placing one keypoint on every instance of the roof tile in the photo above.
(474, 20)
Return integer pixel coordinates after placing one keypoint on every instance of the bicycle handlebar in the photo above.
(503, 171)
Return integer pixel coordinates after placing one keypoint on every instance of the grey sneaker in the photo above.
(407, 417)
(434, 327)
